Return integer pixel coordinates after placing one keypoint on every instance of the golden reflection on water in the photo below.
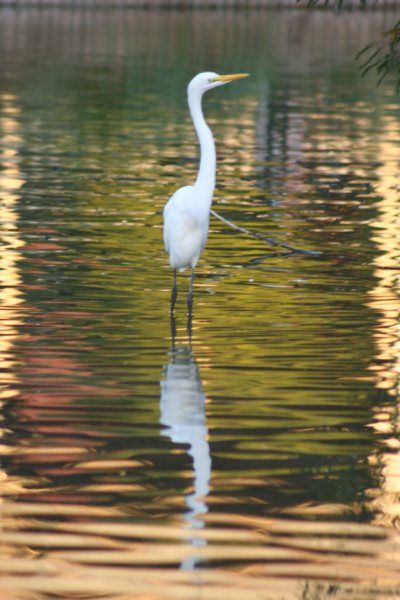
(104, 556)
(11, 296)
(385, 299)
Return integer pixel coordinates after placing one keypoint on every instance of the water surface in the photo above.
(259, 458)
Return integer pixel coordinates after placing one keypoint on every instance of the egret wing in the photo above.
(174, 210)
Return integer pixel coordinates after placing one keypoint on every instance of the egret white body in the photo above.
(187, 212)
(185, 228)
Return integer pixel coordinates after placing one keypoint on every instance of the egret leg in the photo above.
(190, 303)
(190, 294)
(174, 293)
(173, 335)
(189, 329)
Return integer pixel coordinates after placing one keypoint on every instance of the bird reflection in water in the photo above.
(182, 413)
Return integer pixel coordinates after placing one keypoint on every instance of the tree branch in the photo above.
(270, 240)
(382, 55)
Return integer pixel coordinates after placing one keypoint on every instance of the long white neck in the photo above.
(205, 182)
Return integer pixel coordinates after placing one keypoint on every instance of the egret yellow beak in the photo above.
(229, 78)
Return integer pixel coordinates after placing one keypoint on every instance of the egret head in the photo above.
(208, 80)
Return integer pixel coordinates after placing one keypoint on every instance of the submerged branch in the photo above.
(270, 240)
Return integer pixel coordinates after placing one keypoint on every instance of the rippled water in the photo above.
(259, 458)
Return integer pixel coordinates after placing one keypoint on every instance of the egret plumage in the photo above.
(187, 212)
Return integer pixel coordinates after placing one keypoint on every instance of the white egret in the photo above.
(187, 212)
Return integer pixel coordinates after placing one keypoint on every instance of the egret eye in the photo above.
(211, 80)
